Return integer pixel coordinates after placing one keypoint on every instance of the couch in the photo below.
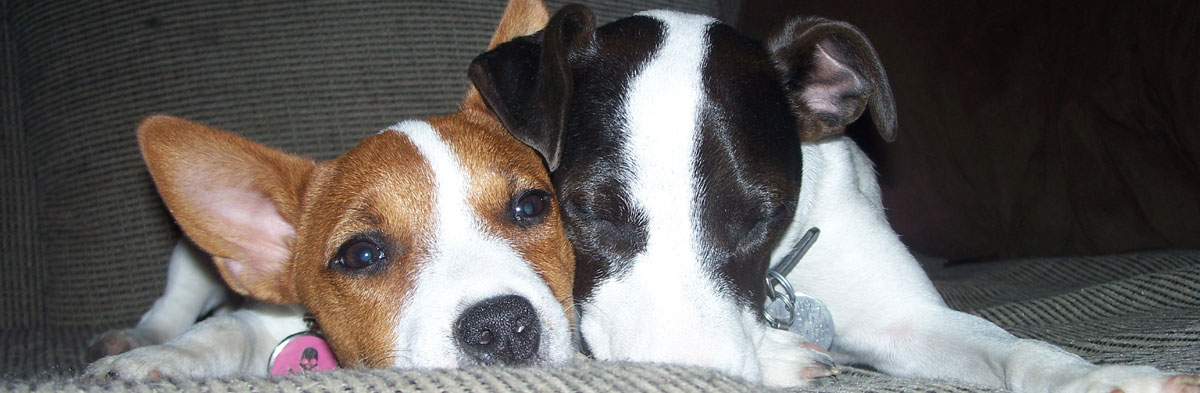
(84, 238)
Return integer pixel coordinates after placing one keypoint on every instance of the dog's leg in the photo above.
(237, 343)
(193, 289)
(888, 315)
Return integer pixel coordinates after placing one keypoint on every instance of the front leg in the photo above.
(193, 289)
(234, 344)
(888, 315)
(932, 341)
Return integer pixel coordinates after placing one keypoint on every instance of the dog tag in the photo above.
(302, 352)
(787, 309)
(812, 319)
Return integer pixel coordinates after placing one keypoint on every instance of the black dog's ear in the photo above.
(831, 73)
(528, 81)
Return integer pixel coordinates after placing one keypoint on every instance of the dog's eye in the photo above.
(531, 206)
(358, 254)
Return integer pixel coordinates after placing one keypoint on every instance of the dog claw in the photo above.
(1183, 384)
(818, 372)
(115, 342)
(1125, 379)
(822, 367)
(791, 361)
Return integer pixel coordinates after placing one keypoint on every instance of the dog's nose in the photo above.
(500, 330)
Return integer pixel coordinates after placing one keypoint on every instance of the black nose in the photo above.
(500, 330)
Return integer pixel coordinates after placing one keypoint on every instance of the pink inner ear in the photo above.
(251, 223)
(830, 82)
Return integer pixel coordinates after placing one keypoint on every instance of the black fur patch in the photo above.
(606, 230)
(747, 165)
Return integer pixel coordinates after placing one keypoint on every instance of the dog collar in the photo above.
(787, 309)
(302, 352)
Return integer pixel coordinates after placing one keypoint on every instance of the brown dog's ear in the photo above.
(831, 73)
(527, 82)
(236, 199)
(521, 18)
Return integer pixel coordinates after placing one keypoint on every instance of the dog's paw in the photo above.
(115, 342)
(146, 363)
(1182, 384)
(789, 361)
(1135, 379)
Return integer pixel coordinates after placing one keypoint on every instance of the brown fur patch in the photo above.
(382, 187)
(500, 168)
(521, 18)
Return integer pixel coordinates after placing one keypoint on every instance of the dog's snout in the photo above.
(500, 330)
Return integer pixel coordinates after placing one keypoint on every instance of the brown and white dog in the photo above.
(435, 243)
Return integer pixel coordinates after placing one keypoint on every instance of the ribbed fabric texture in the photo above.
(587, 377)
(21, 278)
(1142, 308)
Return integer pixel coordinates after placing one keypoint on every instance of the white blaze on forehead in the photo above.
(661, 114)
(667, 302)
(464, 265)
(450, 179)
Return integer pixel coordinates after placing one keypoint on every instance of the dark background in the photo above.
(1031, 128)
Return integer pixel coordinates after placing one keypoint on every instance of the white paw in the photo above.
(789, 361)
(1135, 379)
(149, 362)
(115, 342)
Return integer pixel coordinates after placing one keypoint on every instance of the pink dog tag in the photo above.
(301, 352)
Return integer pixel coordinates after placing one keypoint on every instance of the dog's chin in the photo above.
(543, 359)
(743, 346)
(431, 345)
(550, 354)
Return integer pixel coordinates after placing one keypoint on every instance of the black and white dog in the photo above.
(688, 159)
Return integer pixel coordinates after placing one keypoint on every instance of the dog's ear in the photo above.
(527, 82)
(831, 73)
(236, 199)
(521, 18)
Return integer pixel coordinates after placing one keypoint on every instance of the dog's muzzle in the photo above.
(501, 330)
